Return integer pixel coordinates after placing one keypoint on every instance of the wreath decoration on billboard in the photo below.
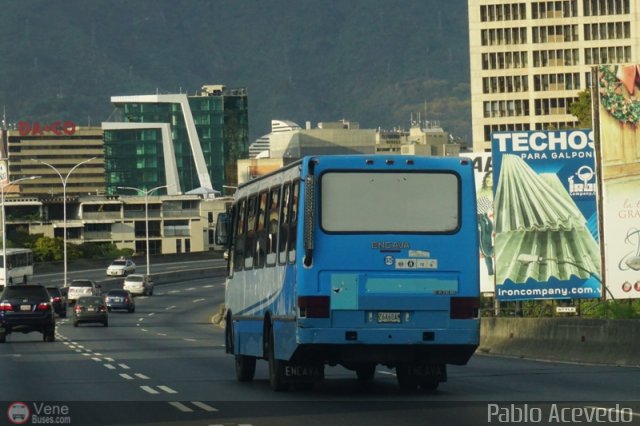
(623, 106)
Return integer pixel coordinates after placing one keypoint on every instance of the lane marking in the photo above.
(124, 366)
(126, 376)
(208, 286)
(167, 389)
(170, 307)
(150, 314)
(141, 376)
(140, 319)
(109, 359)
(161, 334)
(180, 406)
(190, 289)
(85, 354)
(149, 390)
(204, 406)
(96, 359)
(197, 300)
(190, 340)
(110, 367)
(144, 329)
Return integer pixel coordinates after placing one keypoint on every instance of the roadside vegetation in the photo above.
(46, 249)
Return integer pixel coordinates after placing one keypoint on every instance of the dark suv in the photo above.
(26, 308)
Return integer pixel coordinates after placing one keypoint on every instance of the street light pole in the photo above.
(146, 215)
(4, 226)
(64, 205)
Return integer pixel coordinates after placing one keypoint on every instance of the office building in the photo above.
(530, 59)
(62, 146)
(185, 142)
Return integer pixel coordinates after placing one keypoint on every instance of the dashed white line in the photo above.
(96, 359)
(140, 319)
(86, 354)
(78, 350)
(204, 406)
(150, 314)
(124, 366)
(149, 389)
(143, 329)
(190, 289)
(109, 359)
(180, 406)
(110, 367)
(170, 307)
(167, 389)
(197, 300)
(126, 376)
(189, 340)
(141, 376)
(161, 334)
(208, 286)
(97, 354)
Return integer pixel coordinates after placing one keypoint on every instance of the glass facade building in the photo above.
(186, 142)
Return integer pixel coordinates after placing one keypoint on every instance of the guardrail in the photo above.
(583, 340)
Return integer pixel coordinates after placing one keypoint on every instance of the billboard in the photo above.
(618, 115)
(546, 228)
(483, 167)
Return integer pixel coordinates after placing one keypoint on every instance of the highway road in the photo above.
(165, 365)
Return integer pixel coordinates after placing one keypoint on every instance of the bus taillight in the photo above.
(314, 306)
(464, 307)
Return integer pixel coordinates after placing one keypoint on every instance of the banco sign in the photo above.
(58, 128)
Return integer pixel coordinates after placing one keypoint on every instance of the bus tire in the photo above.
(406, 380)
(228, 335)
(276, 367)
(365, 372)
(429, 383)
(245, 368)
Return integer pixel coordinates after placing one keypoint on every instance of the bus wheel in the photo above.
(228, 335)
(365, 372)
(429, 383)
(406, 380)
(276, 367)
(245, 368)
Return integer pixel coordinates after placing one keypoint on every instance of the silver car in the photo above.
(121, 267)
(139, 284)
(79, 288)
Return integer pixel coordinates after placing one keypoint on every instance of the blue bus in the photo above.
(357, 261)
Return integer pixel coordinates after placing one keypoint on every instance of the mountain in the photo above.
(371, 61)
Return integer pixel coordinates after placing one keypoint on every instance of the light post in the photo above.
(146, 215)
(64, 205)
(4, 226)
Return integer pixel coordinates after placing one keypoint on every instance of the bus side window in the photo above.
(239, 239)
(273, 224)
(261, 232)
(284, 223)
(251, 231)
(293, 220)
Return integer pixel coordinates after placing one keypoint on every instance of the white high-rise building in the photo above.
(263, 143)
(530, 59)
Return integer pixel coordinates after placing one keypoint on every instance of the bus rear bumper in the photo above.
(451, 346)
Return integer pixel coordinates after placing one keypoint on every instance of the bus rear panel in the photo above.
(383, 270)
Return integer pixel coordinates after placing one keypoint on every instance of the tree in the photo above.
(581, 108)
(47, 249)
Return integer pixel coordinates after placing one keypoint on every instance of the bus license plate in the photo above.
(389, 317)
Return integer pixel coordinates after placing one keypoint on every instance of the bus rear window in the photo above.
(389, 202)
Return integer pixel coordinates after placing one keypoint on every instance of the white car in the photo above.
(139, 284)
(121, 268)
(79, 288)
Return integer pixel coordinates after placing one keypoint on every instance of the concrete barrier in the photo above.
(580, 340)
